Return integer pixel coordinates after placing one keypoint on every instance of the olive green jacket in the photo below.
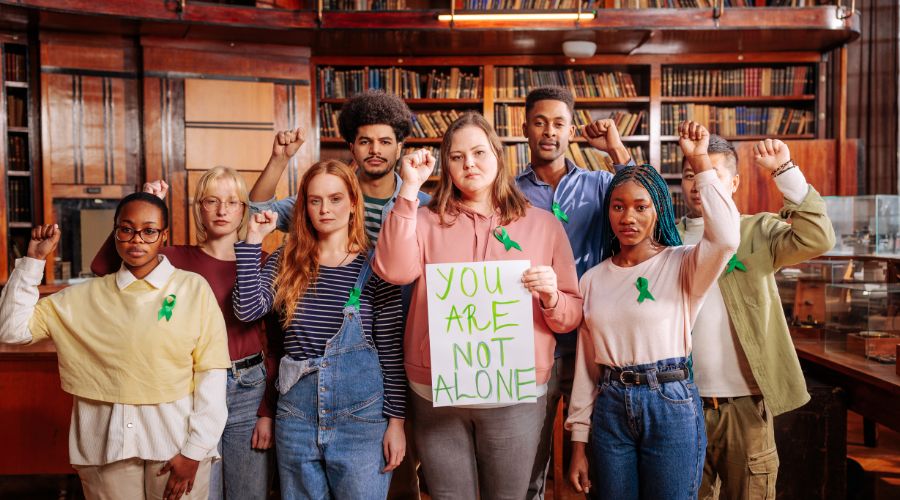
(769, 242)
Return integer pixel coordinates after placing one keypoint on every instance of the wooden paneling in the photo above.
(237, 134)
(209, 104)
(89, 102)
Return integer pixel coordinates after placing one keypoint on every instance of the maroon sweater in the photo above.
(244, 339)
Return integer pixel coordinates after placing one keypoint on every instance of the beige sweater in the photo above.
(617, 330)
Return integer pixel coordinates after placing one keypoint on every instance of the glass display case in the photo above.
(865, 225)
(863, 319)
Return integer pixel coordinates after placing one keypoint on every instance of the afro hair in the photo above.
(375, 107)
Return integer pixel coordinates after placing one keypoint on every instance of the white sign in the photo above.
(481, 328)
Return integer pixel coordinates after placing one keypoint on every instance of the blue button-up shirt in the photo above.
(580, 195)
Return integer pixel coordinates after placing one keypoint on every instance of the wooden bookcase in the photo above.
(750, 89)
(16, 152)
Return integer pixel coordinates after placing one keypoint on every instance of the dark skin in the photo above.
(140, 258)
(633, 218)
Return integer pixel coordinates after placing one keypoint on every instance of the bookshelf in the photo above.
(17, 162)
(744, 97)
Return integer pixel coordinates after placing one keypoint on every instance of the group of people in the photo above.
(186, 363)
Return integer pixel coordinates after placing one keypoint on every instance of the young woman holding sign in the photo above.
(633, 395)
(476, 215)
(339, 422)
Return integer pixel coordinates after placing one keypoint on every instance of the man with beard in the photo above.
(374, 124)
(575, 196)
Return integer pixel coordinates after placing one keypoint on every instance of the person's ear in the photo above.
(735, 182)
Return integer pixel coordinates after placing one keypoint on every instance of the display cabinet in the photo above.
(865, 225)
(863, 319)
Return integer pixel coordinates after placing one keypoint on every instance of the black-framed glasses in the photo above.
(126, 234)
(212, 204)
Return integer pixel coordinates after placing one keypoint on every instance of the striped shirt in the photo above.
(374, 210)
(319, 315)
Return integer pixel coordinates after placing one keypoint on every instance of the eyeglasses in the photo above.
(126, 234)
(213, 204)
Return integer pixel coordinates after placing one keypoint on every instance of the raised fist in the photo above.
(287, 143)
(416, 167)
(260, 225)
(157, 188)
(43, 241)
(694, 139)
(603, 135)
(771, 154)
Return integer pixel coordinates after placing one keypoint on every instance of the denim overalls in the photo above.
(329, 425)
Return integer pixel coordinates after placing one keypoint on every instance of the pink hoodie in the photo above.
(411, 238)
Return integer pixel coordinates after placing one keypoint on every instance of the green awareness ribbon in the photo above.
(642, 285)
(166, 310)
(734, 263)
(501, 234)
(558, 212)
(354, 298)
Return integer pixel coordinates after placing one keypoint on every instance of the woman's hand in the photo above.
(43, 241)
(694, 141)
(578, 469)
(287, 143)
(182, 471)
(415, 168)
(394, 444)
(541, 282)
(261, 224)
(157, 188)
(771, 154)
(262, 434)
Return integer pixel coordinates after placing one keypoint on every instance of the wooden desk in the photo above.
(34, 412)
(873, 389)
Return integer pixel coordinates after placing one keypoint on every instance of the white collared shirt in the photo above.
(101, 432)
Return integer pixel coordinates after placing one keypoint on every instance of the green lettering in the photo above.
(460, 395)
(454, 315)
(457, 351)
(484, 355)
(499, 287)
(469, 311)
(520, 383)
(490, 385)
(496, 315)
(449, 280)
(441, 386)
(504, 385)
(501, 340)
(462, 281)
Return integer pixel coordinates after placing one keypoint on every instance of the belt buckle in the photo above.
(635, 380)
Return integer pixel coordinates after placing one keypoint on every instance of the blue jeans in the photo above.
(647, 441)
(243, 472)
(329, 425)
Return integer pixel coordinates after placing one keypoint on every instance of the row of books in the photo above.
(409, 84)
(792, 81)
(739, 120)
(14, 64)
(16, 111)
(518, 82)
(19, 199)
(627, 123)
(690, 4)
(17, 153)
(508, 119)
(670, 156)
(328, 121)
(433, 124)
(524, 4)
(678, 203)
(364, 5)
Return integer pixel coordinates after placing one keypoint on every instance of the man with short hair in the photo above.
(374, 124)
(575, 196)
(744, 362)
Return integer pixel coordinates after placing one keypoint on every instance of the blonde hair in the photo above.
(299, 261)
(506, 197)
(217, 174)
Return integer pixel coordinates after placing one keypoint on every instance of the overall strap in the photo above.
(365, 273)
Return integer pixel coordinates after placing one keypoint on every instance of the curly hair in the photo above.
(375, 107)
(550, 93)
(666, 232)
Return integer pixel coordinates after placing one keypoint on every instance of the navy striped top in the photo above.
(320, 314)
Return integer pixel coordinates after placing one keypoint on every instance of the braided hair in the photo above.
(665, 233)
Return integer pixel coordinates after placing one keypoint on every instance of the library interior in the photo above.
(102, 99)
